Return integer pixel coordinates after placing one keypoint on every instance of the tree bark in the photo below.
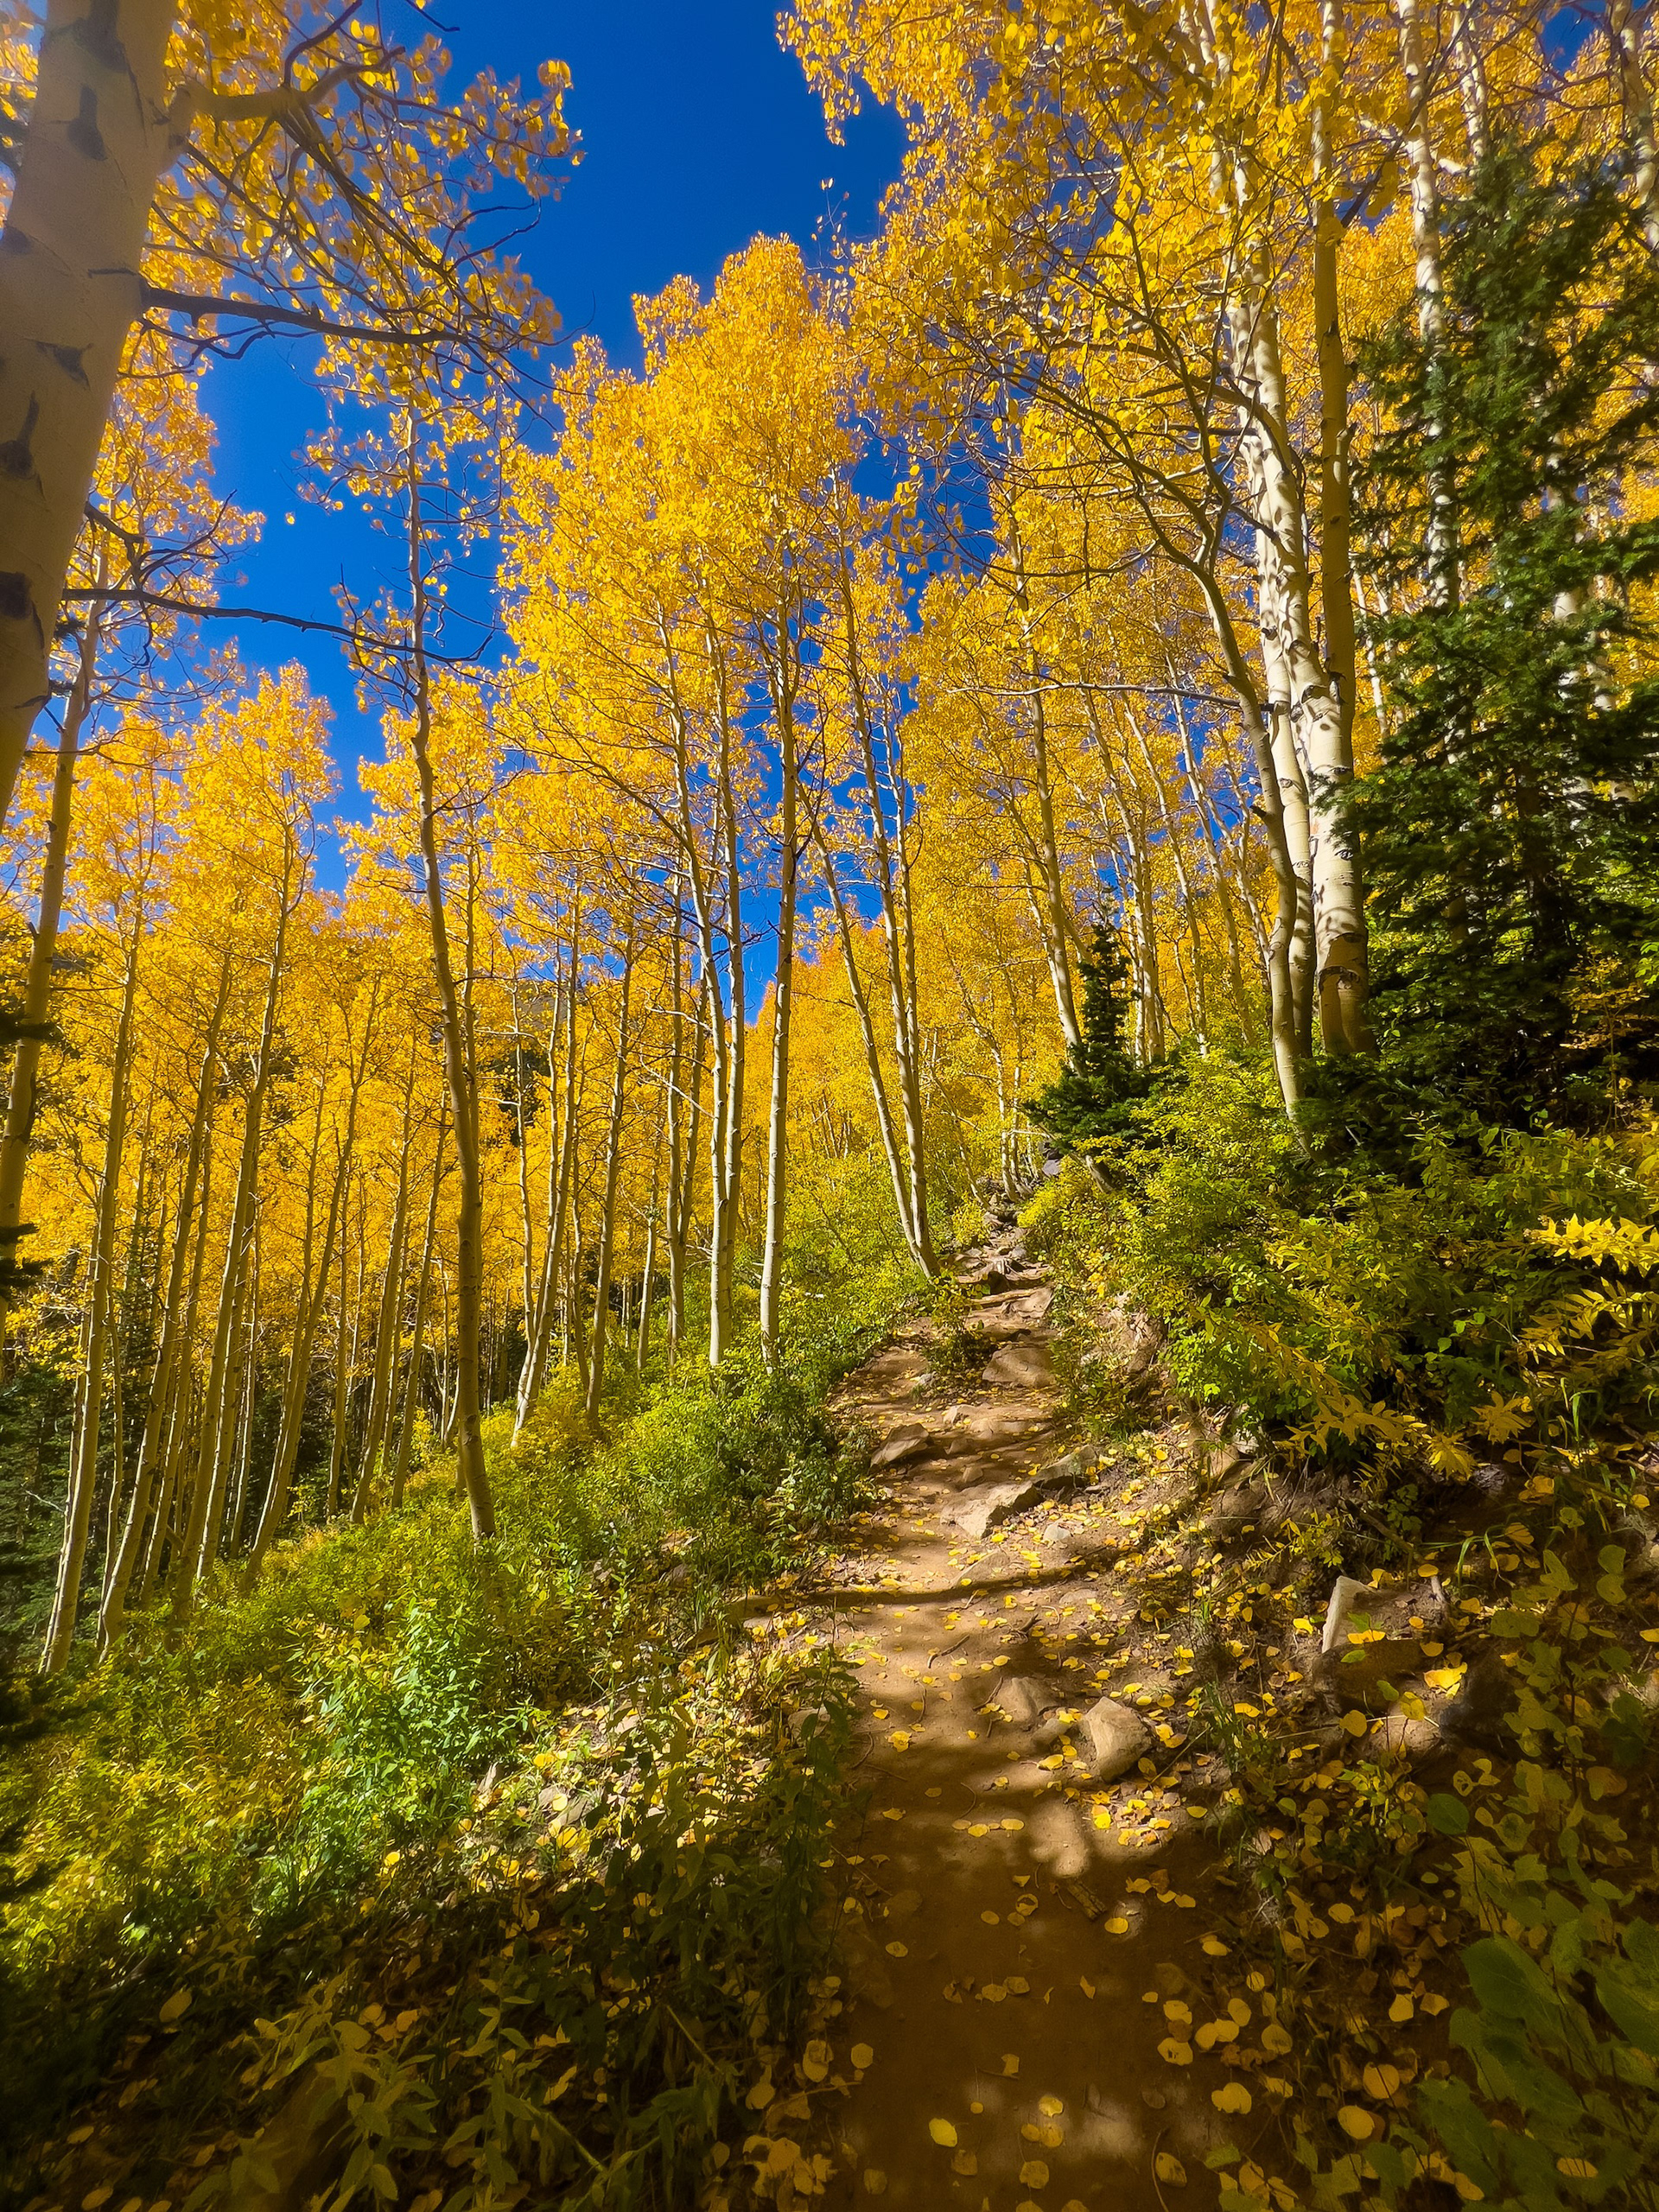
(460, 1067)
(83, 1466)
(98, 140)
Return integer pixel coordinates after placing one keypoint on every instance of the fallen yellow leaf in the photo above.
(898, 1950)
(944, 2134)
(1117, 1925)
(1576, 2169)
(1381, 2081)
(1010, 2063)
(1174, 2053)
(1168, 2168)
(1050, 2108)
(862, 2055)
(1402, 2010)
(815, 2061)
(1086, 1986)
(1213, 1948)
(177, 2005)
(964, 2163)
(1232, 2096)
(1034, 2174)
(1355, 2120)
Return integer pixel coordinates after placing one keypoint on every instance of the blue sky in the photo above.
(698, 133)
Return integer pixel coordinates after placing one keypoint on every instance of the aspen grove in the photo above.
(1127, 696)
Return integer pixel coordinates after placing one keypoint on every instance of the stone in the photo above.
(901, 1443)
(1345, 1599)
(1132, 1337)
(977, 1510)
(1354, 1673)
(1113, 1737)
(1397, 1736)
(1022, 1365)
(1069, 1473)
(1018, 1701)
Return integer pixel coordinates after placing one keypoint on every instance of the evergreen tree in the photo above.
(1094, 1091)
(1514, 898)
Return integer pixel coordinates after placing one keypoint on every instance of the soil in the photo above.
(1011, 1926)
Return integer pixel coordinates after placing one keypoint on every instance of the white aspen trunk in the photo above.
(896, 1170)
(389, 1324)
(727, 1140)
(1624, 42)
(200, 1547)
(771, 1260)
(535, 1352)
(37, 983)
(595, 1378)
(342, 1366)
(460, 1068)
(83, 1460)
(417, 1335)
(163, 1530)
(682, 1193)
(891, 878)
(98, 139)
(1441, 540)
(1343, 972)
(308, 1322)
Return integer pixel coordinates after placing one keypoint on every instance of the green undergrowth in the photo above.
(1439, 1983)
(403, 1768)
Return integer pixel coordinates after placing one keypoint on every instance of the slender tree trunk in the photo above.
(389, 1327)
(595, 1378)
(417, 1335)
(1624, 42)
(771, 1262)
(83, 1464)
(460, 1067)
(563, 1152)
(200, 1547)
(37, 983)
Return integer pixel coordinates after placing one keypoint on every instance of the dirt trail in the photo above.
(1006, 1951)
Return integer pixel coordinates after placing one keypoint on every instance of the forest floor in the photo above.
(1008, 1921)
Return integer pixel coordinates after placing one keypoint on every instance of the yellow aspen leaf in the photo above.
(1355, 2120)
(964, 2163)
(1402, 2010)
(1169, 2169)
(862, 2055)
(1174, 2053)
(898, 1950)
(944, 2133)
(1034, 2174)
(1051, 2107)
(1010, 2063)
(1232, 2096)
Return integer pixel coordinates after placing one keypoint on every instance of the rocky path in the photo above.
(1022, 1894)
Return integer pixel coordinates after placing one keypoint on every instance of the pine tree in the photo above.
(1093, 1093)
(1515, 912)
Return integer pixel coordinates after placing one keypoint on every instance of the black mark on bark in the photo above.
(83, 133)
(17, 455)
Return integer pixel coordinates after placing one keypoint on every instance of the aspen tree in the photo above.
(166, 146)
